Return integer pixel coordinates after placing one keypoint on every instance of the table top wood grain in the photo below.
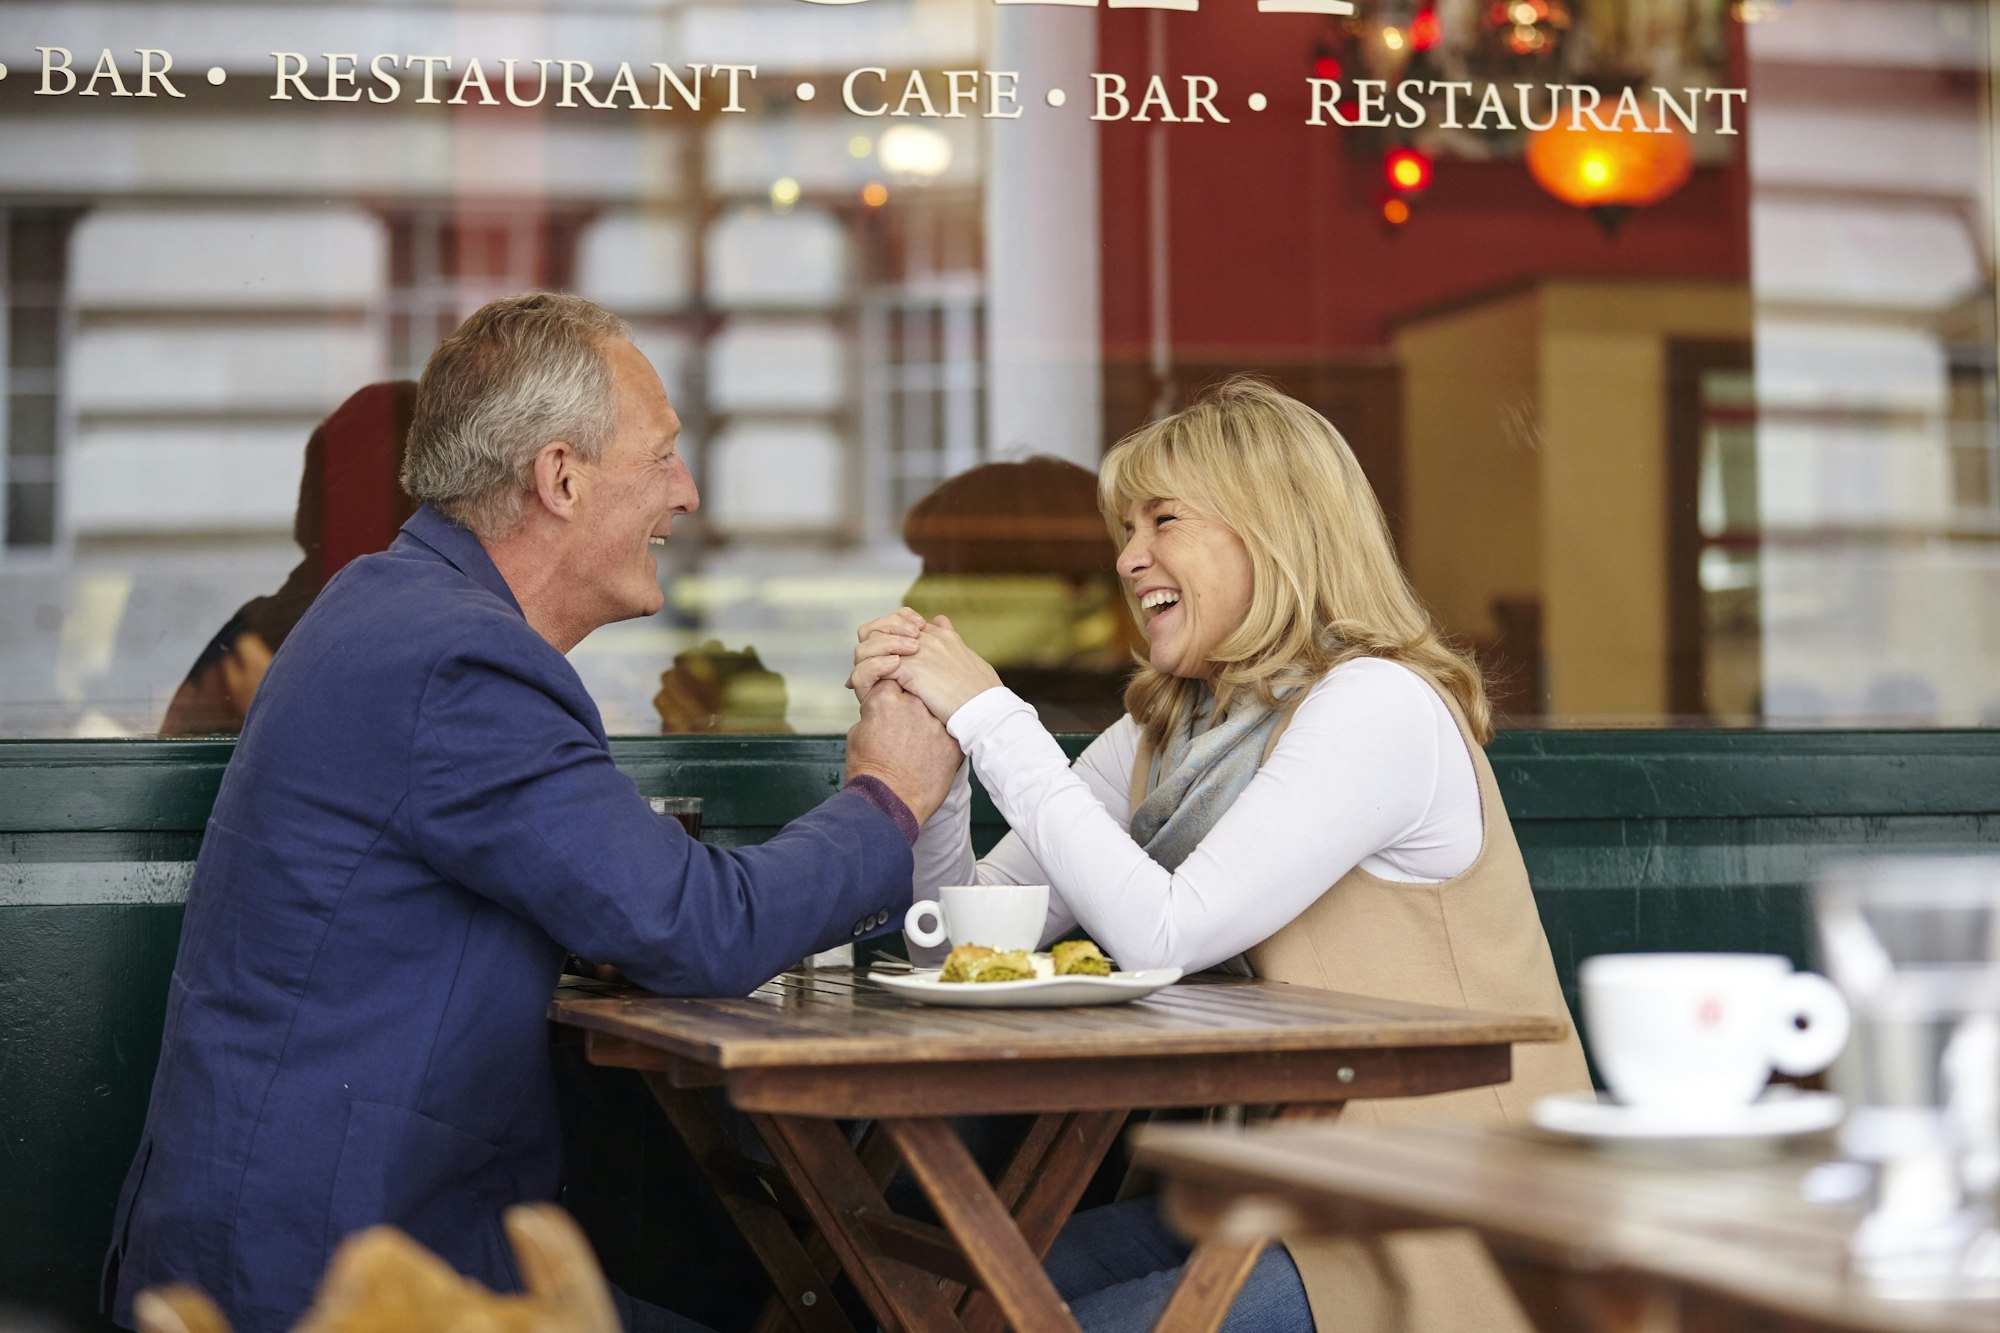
(1732, 1229)
(838, 1018)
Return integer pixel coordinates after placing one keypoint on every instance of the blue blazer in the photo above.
(420, 819)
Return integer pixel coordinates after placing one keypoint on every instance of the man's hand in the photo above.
(898, 742)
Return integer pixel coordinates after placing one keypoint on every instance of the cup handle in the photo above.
(927, 936)
(1800, 1050)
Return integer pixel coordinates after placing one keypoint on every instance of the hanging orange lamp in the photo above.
(1611, 172)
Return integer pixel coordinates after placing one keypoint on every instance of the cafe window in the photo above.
(35, 242)
(1665, 333)
(925, 390)
(445, 263)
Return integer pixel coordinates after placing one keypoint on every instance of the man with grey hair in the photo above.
(422, 817)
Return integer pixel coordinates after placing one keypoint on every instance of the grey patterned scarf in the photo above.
(1198, 774)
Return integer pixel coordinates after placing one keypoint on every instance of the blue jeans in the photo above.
(1117, 1265)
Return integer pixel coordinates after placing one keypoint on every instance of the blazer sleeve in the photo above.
(514, 796)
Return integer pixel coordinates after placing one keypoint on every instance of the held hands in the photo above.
(928, 660)
(900, 743)
(901, 737)
(897, 739)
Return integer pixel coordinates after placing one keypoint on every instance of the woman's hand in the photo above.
(943, 672)
(880, 647)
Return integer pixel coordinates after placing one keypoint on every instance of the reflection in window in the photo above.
(1728, 514)
(1017, 555)
(922, 337)
(1974, 427)
(1728, 455)
(351, 504)
(445, 263)
(35, 244)
(922, 349)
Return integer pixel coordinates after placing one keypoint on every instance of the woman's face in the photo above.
(1191, 576)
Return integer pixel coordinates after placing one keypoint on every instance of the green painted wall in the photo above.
(1634, 840)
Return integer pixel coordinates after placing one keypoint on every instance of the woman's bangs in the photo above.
(1135, 471)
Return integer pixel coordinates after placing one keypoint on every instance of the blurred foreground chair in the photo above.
(381, 1281)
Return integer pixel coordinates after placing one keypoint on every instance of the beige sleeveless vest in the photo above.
(1472, 942)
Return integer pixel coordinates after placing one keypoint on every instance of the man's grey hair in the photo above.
(521, 372)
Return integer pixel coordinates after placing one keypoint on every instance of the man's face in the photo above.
(634, 491)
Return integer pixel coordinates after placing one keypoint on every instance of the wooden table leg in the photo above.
(1043, 1193)
(1022, 1169)
(879, 1160)
(1215, 1273)
(1210, 1281)
(1234, 1233)
(986, 1232)
(1062, 1175)
(1026, 1163)
(804, 1291)
(837, 1189)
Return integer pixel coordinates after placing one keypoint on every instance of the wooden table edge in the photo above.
(600, 1013)
(1191, 1159)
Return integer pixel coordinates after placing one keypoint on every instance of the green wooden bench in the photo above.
(1634, 840)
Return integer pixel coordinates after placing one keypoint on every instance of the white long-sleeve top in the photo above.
(1371, 772)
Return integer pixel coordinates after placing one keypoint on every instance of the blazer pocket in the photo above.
(415, 1173)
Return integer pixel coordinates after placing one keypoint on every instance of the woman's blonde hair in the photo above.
(1327, 585)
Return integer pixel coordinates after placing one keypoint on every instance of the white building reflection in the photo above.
(227, 268)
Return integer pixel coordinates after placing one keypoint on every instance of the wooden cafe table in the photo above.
(1590, 1241)
(813, 1049)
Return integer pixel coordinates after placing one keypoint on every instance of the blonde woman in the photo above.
(1297, 790)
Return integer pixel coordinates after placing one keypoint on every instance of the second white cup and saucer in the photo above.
(1687, 1044)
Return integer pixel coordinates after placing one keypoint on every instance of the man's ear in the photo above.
(558, 481)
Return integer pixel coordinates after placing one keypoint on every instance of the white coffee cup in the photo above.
(1702, 1031)
(999, 916)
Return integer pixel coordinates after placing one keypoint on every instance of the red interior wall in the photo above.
(1275, 239)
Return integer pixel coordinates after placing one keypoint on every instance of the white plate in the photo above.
(1780, 1112)
(1039, 993)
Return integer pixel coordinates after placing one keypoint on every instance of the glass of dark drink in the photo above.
(687, 809)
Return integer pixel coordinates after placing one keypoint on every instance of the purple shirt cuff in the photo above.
(876, 792)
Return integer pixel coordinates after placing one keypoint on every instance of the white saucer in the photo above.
(1038, 993)
(1780, 1112)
